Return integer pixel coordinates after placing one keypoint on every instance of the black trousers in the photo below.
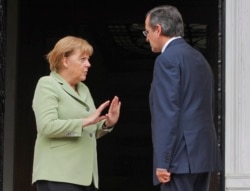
(188, 182)
(43, 185)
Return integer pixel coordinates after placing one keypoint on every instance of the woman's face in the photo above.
(77, 65)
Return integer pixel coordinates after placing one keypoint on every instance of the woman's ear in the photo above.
(65, 62)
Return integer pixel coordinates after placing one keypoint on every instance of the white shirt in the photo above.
(167, 43)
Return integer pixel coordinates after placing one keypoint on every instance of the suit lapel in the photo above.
(81, 96)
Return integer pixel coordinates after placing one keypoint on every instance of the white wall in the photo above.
(237, 95)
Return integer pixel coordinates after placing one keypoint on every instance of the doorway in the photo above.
(121, 65)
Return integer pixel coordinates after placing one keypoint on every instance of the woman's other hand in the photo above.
(113, 113)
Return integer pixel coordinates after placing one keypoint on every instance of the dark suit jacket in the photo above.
(182, 112)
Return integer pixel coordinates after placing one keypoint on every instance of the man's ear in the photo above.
(159, 29)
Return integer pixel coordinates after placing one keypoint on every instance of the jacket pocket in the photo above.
(58, 142)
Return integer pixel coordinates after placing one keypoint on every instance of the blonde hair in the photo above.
(64, 48)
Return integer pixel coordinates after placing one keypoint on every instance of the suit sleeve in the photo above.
(165, 105)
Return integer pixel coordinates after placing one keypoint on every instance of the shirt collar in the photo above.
(168, 42)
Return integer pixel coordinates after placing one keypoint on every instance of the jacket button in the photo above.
(90, 134)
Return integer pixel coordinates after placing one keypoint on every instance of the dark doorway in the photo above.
(121, 65)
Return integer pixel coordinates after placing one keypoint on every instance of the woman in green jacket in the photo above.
(68, 123)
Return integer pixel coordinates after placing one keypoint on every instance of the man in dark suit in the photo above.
(185, 150)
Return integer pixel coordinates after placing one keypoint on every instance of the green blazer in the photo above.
(64, 151)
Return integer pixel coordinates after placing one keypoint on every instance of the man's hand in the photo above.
(163, 175)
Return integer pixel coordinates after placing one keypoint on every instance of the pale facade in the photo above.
(237, 93)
